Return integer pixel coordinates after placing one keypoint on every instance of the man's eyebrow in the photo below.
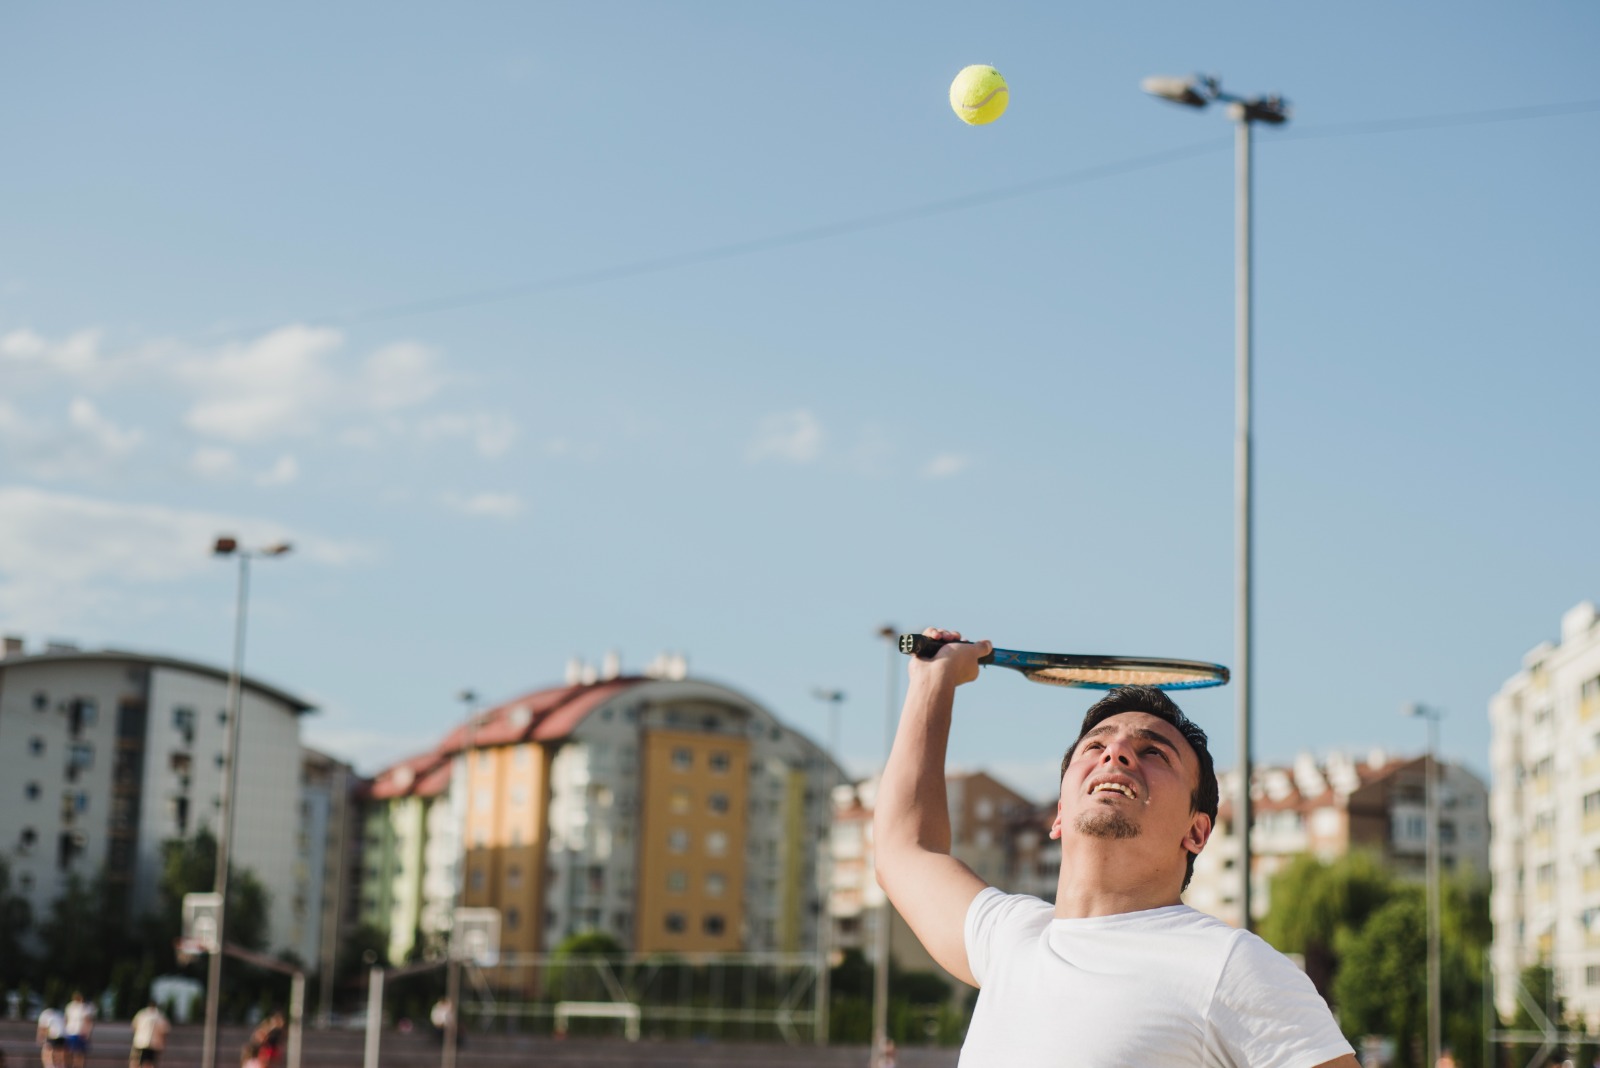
(1146, 733)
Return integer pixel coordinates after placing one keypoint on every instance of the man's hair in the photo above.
(1156, 703)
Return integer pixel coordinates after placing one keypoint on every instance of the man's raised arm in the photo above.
(911, 823)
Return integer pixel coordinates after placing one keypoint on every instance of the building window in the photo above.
(678, 840)
(220, 760)
(718, 803)
(721, 761)
(28, 837)
(36, 745)
(676, 923)
(222, 718)
(1591, 803)
(183, 720)
(1591, 975)
(25, 882)
(677, 882)
(477, 879)
(85, 713)
(679, 801)
(41, 701)
(31, 791)
(716, 884)
(714, 924)
(717, 843)
(514, 877)
(513, 917)
(682, 759)
(81, 756)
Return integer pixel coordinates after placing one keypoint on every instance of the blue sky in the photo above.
(421, 288)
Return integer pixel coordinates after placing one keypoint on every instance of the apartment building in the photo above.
(1331, 807)
(106, 755)
(995, 831)
(1545, 766)
(330, 851)
(672, 813)
(410, 841)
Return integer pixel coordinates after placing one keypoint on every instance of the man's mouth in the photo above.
(1115, 787)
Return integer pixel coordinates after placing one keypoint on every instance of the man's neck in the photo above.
(1107, 877)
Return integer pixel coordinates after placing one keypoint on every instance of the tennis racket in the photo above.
(1088, 672)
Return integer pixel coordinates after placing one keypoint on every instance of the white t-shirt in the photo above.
(51, 1022)
(1168, 986)
(80, 1017)
(149, 1028)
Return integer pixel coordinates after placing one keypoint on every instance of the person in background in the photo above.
(78, 1026)
(150, 1029)
(52, 1039)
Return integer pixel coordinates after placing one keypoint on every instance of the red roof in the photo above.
(541, 716)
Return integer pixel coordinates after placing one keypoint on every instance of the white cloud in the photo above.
(210, 461)
(493, 505)
(271, 387)
(399, 376)
(78, 356)
(86, 444)
(492, 435)
(795, 437)
(946, 465)
(285, 471)
(64, 558)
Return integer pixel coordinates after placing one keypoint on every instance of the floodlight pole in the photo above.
(1197, 93)
(228, 546)
(880, 965)
(452, 988)
(1431, 786)
(834, 699)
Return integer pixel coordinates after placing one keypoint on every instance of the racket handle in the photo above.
(923, 647)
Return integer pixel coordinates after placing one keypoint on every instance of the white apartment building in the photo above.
(1329, 808)
(1545, 761)
(106, 755)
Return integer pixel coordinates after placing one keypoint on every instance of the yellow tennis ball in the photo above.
(979, 95)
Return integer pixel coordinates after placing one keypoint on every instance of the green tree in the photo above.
(1315, 904)
(16, 918)
(86, 934)
(1381, 985)
(189, 866)
(575, 970)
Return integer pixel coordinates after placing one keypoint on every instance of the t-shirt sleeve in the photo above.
(1267, 1014)
(996, 920)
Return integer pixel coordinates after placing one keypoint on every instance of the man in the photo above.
(1118, 971)
(150, 1029)
(78, 1024)
(51, 1036)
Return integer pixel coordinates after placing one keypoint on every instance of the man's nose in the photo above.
(1118, 752)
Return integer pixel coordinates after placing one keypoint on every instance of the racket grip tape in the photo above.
(924, 648)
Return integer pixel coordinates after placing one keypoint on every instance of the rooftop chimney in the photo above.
(10, 645)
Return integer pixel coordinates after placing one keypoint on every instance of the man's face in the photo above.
(1133, 776)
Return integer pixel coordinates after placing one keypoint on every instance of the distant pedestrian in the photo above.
(78, 1026)
(269, 1041)
(440, 1017)
(52, 1038)
(150, 1029)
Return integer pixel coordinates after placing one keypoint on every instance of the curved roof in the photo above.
(548, 715)
(296, 704)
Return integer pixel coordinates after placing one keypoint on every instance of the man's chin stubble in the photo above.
(1106, 824)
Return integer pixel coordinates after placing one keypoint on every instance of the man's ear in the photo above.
(1055, 825)
(1199, 833)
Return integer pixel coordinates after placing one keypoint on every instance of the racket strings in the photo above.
(1109, 677)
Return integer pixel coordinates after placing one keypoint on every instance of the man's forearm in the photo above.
(911, 809)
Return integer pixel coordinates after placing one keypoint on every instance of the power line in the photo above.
(931, 209)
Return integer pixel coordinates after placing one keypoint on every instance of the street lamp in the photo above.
(1197, 92)
(1431, 785)
(452, 982)
(833, 698)
(880, 966)
(229, 546)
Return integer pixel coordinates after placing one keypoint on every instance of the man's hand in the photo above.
(952, 665)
